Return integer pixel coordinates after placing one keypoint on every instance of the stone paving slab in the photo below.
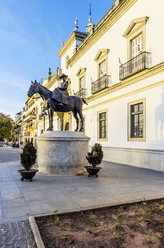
(46, 193)
(116, 184)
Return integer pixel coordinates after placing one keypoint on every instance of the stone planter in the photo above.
(27, 174)
(92, 171)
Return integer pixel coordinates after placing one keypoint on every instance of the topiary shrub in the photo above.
(28, 156)
(96, 155)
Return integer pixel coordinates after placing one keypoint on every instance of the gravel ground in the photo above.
(16, 235)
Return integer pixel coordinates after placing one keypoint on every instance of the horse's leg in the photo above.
(49, 120)
(48, 110)
(77, 120)
(50, 116)
(82, 120)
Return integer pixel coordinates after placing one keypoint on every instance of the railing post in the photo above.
(144, 58)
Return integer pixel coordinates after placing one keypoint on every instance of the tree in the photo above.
(6, 126)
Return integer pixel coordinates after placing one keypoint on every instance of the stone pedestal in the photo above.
(62, 152)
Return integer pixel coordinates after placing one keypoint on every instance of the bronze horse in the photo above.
(75, 104)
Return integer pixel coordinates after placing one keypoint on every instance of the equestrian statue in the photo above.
(59, 101)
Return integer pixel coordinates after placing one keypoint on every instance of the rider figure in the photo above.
(60, 94)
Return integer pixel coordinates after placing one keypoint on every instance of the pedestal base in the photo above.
(62, 152)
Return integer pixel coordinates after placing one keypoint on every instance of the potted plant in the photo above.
(94, 158)
(28, 158)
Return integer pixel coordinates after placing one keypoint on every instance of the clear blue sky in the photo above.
(31, 32)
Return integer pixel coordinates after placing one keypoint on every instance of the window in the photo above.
(67, 121)
(102, 69)
(102, 125)
(67, 126)
(102, 62)
(81, 83)
(82, 91)
(136, 37)
(137, 121)
(136, 46)
(137, 57)
(136, 64)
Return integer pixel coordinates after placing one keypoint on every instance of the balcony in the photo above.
(27, 134)
(81, 93)
(29, 118)
(135, 65)
(100, 84)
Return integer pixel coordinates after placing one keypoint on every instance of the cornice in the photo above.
(129, 81)
(148, 87)
(76, 35)
(111, 17)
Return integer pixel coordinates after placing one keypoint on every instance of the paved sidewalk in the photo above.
(18, 200)
(116, 184)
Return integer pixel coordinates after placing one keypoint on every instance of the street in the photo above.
(8, 154)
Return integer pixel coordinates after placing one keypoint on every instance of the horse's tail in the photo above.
(84, 101)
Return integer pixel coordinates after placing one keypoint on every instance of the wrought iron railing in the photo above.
(81, 93)
(135, 65)
(100, 84)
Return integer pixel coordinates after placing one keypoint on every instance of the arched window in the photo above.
(67, 126)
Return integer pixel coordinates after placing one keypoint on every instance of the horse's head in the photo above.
(34, 88)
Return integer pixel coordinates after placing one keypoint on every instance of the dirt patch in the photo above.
(133, 225)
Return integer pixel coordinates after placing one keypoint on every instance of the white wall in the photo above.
(117, 101)
(118, 115)
(113, 39)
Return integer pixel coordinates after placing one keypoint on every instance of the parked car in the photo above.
(1, 143)
(15, 144)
